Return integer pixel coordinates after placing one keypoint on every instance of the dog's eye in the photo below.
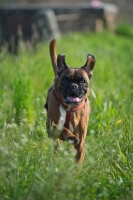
(83, 81)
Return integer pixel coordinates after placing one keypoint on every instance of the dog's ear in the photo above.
(61, 63)
(89, 65)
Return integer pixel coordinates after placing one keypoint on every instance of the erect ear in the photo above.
(89, 65)
(61, 63)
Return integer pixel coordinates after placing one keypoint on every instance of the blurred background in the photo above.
(34, 21)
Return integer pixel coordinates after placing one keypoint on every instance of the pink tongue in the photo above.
(73, 99)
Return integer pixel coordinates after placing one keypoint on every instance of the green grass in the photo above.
(29, 169)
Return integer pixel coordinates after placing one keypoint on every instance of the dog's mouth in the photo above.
(72, 98)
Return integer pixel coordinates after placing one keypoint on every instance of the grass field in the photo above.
(29, 169)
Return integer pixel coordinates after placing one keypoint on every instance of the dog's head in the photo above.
(72, 83)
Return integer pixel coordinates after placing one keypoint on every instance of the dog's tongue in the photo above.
(73, 99)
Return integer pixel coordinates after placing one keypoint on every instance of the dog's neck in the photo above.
(69, 110)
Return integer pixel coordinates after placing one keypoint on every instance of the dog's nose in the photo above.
(74, 86)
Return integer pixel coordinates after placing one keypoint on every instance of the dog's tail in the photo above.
(52, 48)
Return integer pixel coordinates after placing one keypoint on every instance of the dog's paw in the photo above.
(73, 140)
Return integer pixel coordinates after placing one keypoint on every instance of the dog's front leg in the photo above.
(69, 136)
(80, 152)
(64, 134)
(80, 147)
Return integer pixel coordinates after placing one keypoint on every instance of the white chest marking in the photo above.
(62, 118)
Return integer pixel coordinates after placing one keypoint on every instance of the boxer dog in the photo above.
(67, 103)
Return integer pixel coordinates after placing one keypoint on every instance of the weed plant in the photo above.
(22, 101)
(29, 168)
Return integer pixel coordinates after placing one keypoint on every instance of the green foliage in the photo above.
(22, 99)
(124, 29)
(30, 169)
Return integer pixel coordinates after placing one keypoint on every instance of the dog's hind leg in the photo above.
(56, 145)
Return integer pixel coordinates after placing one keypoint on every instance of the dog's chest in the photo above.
(63, 118)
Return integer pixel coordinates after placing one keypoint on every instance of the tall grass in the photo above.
(22, 99)
(29, 167)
